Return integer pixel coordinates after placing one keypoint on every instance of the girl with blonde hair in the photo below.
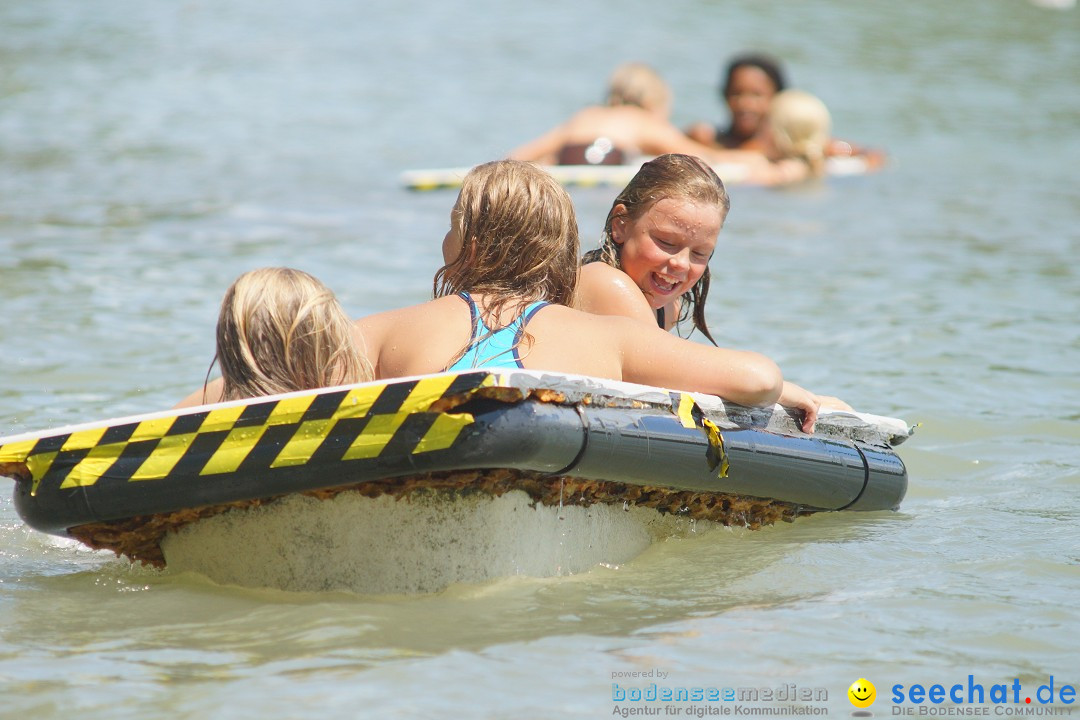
(281, 330)
(799, 126)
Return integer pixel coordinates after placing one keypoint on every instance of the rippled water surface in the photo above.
(151, 152)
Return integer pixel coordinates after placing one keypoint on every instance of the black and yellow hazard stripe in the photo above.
(692, 416)
(357, 423)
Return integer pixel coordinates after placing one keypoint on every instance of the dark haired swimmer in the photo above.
(750, 82)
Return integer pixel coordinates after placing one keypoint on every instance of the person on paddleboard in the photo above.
(634, 122)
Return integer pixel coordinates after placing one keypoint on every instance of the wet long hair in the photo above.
(281, 330)
(674, 175)
(519, 238)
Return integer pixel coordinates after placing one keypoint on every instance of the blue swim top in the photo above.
(498, 349)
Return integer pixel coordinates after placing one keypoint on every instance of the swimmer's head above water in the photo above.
(639, 85)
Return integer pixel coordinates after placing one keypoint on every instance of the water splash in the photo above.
(414, 545)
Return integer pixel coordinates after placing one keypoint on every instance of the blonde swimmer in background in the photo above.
(799, 134)
(503, 296)
(281, 330)
(800, 127)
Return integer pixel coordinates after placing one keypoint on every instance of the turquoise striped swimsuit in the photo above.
(498, 349)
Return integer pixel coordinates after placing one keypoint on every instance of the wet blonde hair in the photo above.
(671, 176)
(801, 126)
(640, 85)
(519, 238)
(281, 330)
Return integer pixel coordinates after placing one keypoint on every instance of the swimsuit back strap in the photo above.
(498, 348)
(522, 320)
(477, 327)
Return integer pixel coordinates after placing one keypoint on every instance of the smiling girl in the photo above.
(653, 263)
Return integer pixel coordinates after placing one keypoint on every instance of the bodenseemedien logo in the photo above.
(697, 701)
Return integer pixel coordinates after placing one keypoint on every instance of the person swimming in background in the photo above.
(633, 122)
(750, 82)
(799, 127)
(511, 261)
(281, 330)
(653, 262)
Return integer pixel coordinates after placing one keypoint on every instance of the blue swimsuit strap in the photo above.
(480, 328)
(524, 318)
(474, 317)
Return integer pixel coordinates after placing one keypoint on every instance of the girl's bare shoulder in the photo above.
(432, 312)
(599, 277)
(606, 290)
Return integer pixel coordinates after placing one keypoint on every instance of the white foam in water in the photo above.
(420, 544)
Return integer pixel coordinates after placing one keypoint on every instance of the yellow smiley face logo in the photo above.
(862, 693)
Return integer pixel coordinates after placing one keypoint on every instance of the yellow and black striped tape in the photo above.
(349, 424)
(692, 416)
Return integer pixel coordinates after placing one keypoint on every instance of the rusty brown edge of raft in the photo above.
(139, 538)
(514, 395)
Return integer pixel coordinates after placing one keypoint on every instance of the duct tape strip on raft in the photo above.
(349, 424)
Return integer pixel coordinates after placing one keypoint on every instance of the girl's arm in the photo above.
(544, 149)
(781, 172)
(744, 377)
(603, 292)
(660, 136)
(651, 356)
(702, 132)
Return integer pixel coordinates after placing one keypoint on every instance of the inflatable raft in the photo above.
(123, 483)
(605, 175)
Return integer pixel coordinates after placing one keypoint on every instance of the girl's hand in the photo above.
(799, 398)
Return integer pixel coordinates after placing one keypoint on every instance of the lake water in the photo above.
(151, 152)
